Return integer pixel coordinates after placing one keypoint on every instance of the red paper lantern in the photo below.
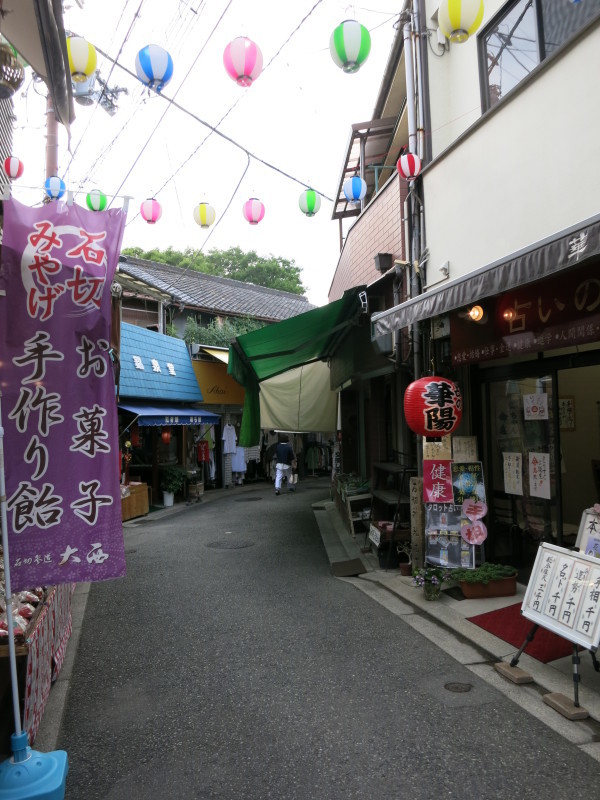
(433, 407)
(13, 167)
(166, 436)
(409, 166)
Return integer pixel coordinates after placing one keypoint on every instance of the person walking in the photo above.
(284, 455)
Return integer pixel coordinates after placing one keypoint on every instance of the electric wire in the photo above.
(172, 101)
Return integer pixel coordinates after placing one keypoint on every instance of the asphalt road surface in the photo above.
(230, 664)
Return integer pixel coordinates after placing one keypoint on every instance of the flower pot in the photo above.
(168, 499)
(500, 587)
(405, 568)
(432, 591)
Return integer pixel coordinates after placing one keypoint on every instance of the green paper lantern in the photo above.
(350, 45)
(309, 202)
(96, 200)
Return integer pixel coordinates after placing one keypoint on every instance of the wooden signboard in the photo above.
(563, 595)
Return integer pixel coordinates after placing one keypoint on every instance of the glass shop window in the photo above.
(521, 36)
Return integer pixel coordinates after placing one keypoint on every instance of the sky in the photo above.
(297, 117)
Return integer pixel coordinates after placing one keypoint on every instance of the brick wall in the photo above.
(379, 229)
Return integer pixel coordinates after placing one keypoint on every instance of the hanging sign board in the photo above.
(563, 595)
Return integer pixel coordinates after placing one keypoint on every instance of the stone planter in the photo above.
(501, 587)
(168, 499)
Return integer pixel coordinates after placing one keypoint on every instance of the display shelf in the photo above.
(358, 509)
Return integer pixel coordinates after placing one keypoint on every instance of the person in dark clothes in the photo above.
(284, 455)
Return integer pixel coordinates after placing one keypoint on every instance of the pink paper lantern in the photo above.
(409, 166)
(151, 210)
(253, 210)
(243, 61)
(13, 167)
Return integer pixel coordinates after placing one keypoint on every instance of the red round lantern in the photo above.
(13, 167)
(253, 210)
(433, 407)
(151, 210)
(409, 166)
(166, 436)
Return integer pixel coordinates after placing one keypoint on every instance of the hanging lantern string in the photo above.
(212, 128)
(173, 284)
(171, 102)
(97, 104)
(226, 114)
(215, 130)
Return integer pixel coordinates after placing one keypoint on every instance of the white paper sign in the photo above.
(513, 473)
(539, 475)
(535, 406)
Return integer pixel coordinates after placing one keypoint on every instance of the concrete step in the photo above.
(342, 551)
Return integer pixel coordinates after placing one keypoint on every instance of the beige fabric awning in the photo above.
(299, 400)
(217, 352)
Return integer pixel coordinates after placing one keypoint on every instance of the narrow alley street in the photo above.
(229, 663)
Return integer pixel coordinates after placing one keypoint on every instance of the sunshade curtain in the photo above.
(269, 351)
(299, 400)
(169, 415)
(545, 258)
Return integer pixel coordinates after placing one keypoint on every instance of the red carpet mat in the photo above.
(509, 624)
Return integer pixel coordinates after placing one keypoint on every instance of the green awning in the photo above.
(269, 351)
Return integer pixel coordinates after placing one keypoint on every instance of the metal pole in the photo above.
(7, 590)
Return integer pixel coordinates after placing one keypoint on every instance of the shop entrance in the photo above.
(541, 444)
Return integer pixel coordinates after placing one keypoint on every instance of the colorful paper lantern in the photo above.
(433, 407)
(13, 167)
(253, 210)
(243, 61)
(350, 45)
(154, 67)
(204, 214)
(82, 58)
(459, 19)
(151, 210)
(166, 435)
(409, 166)
(54, 187)
(309, 202)
(355, 189)
(96, 200)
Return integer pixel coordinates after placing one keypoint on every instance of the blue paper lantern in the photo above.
(54, 187)
(355, 189)
(154, 66)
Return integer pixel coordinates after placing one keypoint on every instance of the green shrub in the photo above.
(484, 573)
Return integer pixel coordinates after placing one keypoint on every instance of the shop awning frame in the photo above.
(556, 253)
(149, 415)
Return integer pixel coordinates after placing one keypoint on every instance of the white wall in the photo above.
(528, 171)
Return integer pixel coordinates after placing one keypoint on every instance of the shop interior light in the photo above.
(509, 314)
(477, 314)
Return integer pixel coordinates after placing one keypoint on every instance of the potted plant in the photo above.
(431, 579)
(171, 481)
(487, 580)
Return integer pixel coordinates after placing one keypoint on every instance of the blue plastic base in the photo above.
(38, 776)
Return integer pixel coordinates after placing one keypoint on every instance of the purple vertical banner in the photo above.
(58, 395)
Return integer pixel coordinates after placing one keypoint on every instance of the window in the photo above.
(521, 36)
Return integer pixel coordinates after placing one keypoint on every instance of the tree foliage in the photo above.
(220, 333)
(272, 272)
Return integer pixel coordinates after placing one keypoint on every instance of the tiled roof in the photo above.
(155, 351)
(214, 294)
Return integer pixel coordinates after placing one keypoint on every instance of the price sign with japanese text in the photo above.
(563, 595)
(58, 393)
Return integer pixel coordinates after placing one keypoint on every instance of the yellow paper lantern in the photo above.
(204, 215)
(459, 19)
(82, 58)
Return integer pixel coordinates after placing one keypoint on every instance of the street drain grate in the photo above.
(454, 686)
(247, 499)
(230, 544)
